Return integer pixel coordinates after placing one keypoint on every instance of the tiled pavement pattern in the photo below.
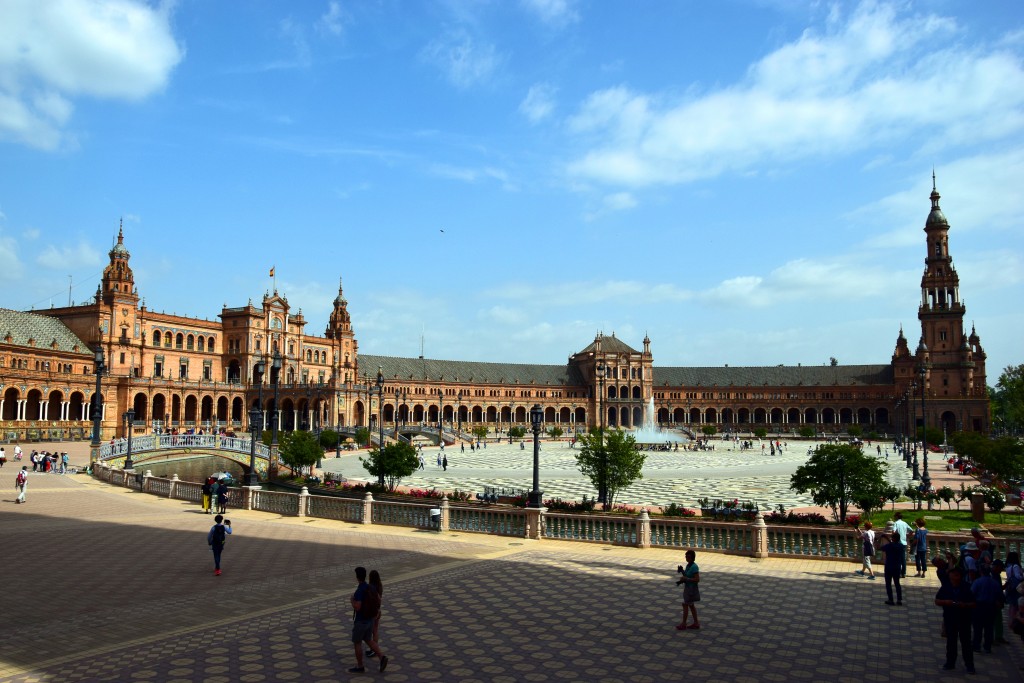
(674, 476)
(104, 584)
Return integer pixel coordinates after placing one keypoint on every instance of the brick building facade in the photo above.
(181, 372)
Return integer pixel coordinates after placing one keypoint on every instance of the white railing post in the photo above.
(303, 501)
(368, 508)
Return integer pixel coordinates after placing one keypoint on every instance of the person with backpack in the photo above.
(216, 539)
(21, 483)
(365, 607)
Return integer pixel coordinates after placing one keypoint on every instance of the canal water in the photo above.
(196, 468)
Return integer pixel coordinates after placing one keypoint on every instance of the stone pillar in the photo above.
(978, 507)
(172, 486)
(534, 520)
(759, 540)
(445, 514)
(303, 501)
(643, 530)
(368, 508)
(249, 496)
(145, 481)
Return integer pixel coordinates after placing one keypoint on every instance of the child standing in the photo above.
(216, 538)
(691, 593)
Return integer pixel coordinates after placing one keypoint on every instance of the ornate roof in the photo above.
(42, 329)
(402, 369)
(778, 376)
(610, 344)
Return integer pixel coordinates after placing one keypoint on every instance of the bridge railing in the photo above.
(755, 539)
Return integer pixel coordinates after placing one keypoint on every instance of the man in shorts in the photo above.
(365, 606)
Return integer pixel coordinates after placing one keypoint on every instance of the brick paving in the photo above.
(106, 584)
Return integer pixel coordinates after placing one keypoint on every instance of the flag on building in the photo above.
(272, 271)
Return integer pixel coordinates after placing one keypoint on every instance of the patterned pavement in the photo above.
(105, 584)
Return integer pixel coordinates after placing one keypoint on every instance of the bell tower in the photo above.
(954, 363)
(346, 348)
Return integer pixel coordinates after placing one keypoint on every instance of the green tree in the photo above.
(517, 432)
(806, 432)
(329, 439)
(891, 493)
(914, 494)
(709, 430)
(1008, 400)
(854, 430)
(837, 474)
(610, 460)
(934, 436)
(946, 494)
(394, 462)
(760, 432)
(480, 431)
(362, 436)
(1002, 457)
(555, 432)
(299, 450)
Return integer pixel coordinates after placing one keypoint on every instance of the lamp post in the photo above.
(129, 417)
(275, 416)
(926, 479)
(97, 398)
(337, 424)
(458, 411)
(255, 418)
(536, 419)
(440, 416)
(908, 400)
(398, 396)
(405, 413)
(897, 406)
(602, 490)
(380, 421)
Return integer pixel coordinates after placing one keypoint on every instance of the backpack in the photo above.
(21, 478)
(370, 605)
(218, 536)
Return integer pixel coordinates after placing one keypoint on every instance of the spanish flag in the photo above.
(272, 271)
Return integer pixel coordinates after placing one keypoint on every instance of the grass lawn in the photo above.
(1009, 522)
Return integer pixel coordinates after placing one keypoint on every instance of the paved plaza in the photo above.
(669, 476)
(108, 584)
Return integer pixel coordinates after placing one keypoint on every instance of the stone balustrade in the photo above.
(755, 539)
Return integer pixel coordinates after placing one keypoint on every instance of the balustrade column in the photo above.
(760, 537)
(303, 501)
(643, 530)
(445, 514)
(368, 508)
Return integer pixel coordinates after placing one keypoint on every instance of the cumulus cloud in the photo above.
(65, 258)
(553, 12)
(333, 20)
(863, 80)
(11, 269)
(539, 102)
(464, 60)
(53, 52)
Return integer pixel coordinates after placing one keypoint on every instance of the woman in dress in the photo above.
(691, 593)
(374, 580)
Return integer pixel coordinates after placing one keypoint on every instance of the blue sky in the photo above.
(744, 181)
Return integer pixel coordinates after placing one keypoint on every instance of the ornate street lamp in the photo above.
(97, 398)
(908, 397)
(398, 397)
(440, 417)
(380, 413)
(274, 416)
(536, 419)
(926, 480)
(130, 419)
(602, 491)
(255, 426)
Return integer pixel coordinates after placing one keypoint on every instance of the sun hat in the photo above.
(971, 546)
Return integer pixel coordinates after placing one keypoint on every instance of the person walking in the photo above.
(986, 599)
(901, 530)
(444, 463)
(21, 483)
(3, 456)
(957, 603)
(895, 553)
(365, 607)
(208, 495)
(219, 532)
(921, 548)
(1014, 577)
(867, 536)
(222, 497)
(374, 580)
(691, 592)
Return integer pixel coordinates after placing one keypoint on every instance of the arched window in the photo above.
(309, 356)
(209, 345)
(201, 343)
(190, 343)
(156, 337)
(179, 341)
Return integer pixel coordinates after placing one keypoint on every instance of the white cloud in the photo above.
(872, 78)
(473, 175)
(464, 61)
(52, 52)
(11, 269)
(65, 258)
(539, 102)
(553, 12)
(31, 234)
(333, 20)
